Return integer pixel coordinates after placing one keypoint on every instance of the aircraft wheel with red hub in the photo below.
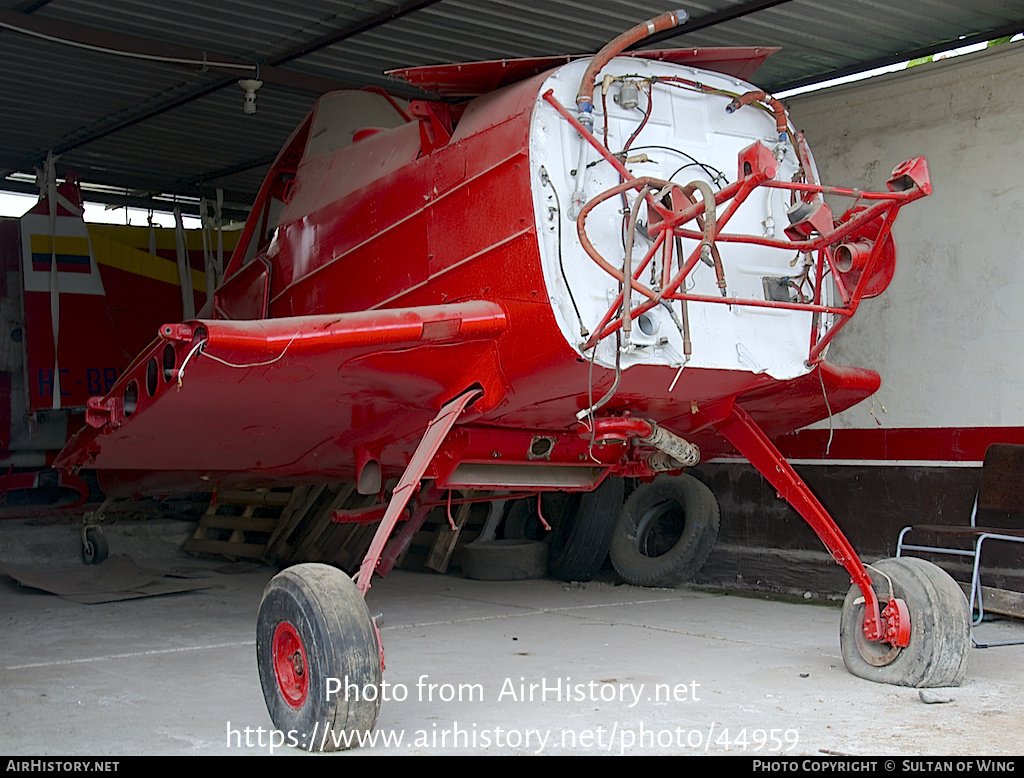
(940, 627)
(666, 531)
(319, 658)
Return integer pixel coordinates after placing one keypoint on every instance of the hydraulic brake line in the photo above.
(546, 180)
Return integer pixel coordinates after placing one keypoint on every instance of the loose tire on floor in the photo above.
(313, 634)
(581, 540)
(940, 627)
(504, 560)
(666, 531)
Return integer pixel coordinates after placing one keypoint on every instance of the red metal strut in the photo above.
(434, 436)
(892, 625)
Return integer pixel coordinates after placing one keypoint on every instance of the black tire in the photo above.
(94, 546)
(940, 627)
(504, 560)
(522, 523)
(580, 543)
(314, 630)
(666, 531)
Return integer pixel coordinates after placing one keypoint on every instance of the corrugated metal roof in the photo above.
(154, 127)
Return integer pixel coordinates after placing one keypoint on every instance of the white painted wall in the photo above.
(948, 334)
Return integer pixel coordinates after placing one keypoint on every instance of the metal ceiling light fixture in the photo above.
(250, 85)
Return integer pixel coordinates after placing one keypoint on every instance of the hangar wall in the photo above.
(944, 336)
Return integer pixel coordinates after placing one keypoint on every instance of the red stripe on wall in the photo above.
(948, 444)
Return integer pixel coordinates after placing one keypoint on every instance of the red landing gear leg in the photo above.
(396, 545)
(314, 631)
(436, 432)
(922, 635)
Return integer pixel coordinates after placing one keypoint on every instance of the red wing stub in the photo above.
(277, 395)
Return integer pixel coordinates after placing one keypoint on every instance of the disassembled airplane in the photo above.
(594, 269)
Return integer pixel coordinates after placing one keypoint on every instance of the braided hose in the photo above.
(683, 453)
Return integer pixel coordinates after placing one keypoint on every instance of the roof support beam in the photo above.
(267, 69)
(352, 30)
(94, 36)
(32, 6)
(213, 175)
(710, 20)
(927, 51)
(235, 204)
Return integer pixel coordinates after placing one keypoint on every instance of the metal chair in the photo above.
(1000, 499)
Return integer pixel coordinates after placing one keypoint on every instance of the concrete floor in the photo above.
(177, 674)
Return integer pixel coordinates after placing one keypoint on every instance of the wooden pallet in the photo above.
(285, 527)
(308, 533)
(239, 524)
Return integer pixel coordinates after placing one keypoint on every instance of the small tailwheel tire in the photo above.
(319, 658)
(94, 546)
(581, 540)
(666, 531)
(940, 627)
(504, 560)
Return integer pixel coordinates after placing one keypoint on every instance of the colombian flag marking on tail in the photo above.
(72, 253)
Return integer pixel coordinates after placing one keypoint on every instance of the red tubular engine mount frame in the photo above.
(757, 167)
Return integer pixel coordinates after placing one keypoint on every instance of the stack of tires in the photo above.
(659, 536)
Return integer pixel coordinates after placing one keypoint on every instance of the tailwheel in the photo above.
(319, 658)
(94, 546)
(940, 627)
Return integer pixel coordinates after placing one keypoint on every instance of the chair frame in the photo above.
(978, 536)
